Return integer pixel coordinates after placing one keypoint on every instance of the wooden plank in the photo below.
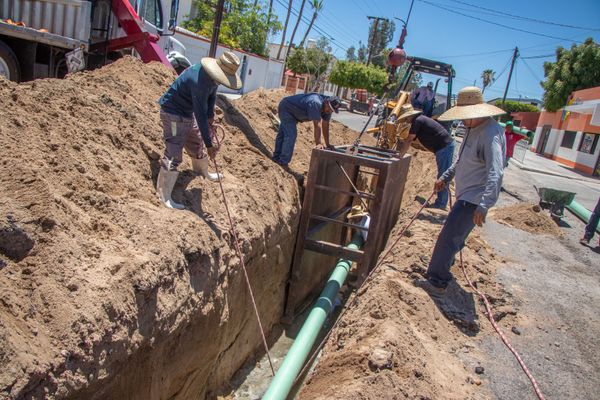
(364, 195)
(291, 298)
(337, 221)
(353, 159)
(333, 250)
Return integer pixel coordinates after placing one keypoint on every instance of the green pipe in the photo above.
(520, 131)
(580, 211)
(294, 360)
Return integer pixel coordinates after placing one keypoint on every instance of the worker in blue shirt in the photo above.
(193, 94)
(301, 108)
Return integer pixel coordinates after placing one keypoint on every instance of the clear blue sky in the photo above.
(437, 33)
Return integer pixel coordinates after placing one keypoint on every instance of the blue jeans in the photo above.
(451, 240)
(286, 138)
(443, 159)
(590, 228)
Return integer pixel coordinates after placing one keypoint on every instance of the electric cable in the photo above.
(531, 71)
(540, 21)
(490, 22)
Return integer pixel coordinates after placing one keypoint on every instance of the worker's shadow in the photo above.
(233, 117)
(458, 306)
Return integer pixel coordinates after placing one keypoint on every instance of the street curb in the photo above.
(541, 171)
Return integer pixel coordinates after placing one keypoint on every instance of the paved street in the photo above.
(354, 121)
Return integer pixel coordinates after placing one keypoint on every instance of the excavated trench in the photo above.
(105, 293)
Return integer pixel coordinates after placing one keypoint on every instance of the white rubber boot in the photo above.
(164, 186)
(200, 166)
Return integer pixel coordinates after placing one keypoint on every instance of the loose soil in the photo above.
(528, 217)
(395, 342)
(104, 292)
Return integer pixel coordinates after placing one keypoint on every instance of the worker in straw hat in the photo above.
(478, 174)
(187, 112)
(434, 137)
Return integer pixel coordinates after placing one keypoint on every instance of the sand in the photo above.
(105, 293)
(395, 342)
(527, 217)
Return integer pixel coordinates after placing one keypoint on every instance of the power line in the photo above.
(540, 21)
(315, 26)
(475, 54)
(535, 76)
(491, 22)
(544, 56)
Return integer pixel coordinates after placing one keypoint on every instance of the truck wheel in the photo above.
(9, 65)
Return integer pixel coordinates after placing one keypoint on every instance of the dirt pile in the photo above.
(104, 293)
(527, 217)
(395, 342)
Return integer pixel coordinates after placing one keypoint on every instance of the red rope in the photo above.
(238, 250)
(490, 316)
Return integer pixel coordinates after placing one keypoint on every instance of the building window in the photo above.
(588, 143)
(568, 139)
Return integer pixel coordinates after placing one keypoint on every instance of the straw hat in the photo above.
(407, 110)
(224, 69)
(470, 105)
(357, 211)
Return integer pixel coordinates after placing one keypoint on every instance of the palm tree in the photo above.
(317, 5)
(295, 27)
(287, 19)
(270, 12)
(487, 76)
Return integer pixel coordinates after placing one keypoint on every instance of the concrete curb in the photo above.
(546, 172)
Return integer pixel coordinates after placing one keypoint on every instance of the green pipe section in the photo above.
(294, 360)
(580, 211)
(520, 131)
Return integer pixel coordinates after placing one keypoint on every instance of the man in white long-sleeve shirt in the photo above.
(478, 172)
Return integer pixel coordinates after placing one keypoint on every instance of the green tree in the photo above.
(361, 54)
(488, 77)
(355, 75)
(380, 39)
(515, 106)
(574, 69)
(313, 62)
(350, 53)
(317, 5)
(244, 26)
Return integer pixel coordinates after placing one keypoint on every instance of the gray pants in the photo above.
(180, 133)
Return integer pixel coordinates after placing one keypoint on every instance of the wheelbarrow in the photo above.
(555, 201)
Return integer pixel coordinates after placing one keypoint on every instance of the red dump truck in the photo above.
(49, 38)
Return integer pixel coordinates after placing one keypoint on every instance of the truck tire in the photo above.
(9, 64)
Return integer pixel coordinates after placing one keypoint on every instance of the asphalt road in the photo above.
(354, 121)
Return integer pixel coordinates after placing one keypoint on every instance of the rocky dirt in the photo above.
(104, 293)
(395, 342)
(527, 217)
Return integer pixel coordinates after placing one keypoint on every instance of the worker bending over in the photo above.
(434, 137)
(301, 108)
(187, 112)
(478, 172)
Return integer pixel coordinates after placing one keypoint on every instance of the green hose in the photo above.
(294, 360)
(581, 212)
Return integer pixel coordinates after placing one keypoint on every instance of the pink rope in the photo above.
(490, 316)
(238, 250)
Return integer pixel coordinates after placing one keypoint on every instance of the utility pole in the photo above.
(214, 41)
(512, 65)
(377, 19)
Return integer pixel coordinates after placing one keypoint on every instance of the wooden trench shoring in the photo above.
(323, 230)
